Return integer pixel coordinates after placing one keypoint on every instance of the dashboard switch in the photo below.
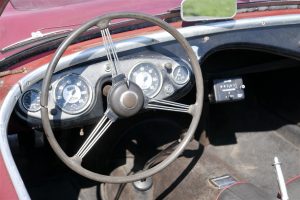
(227, 90)
(168, 67)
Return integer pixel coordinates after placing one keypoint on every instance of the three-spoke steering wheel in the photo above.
(125, 99)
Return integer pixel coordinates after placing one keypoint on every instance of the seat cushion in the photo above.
(244, 191)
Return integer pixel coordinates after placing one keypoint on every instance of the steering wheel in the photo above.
(125, 99)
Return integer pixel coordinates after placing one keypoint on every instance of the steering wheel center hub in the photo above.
(126, 100)
(129, 100)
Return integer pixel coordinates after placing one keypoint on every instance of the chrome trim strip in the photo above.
(5, 112)
(97, 52)
(35, 37)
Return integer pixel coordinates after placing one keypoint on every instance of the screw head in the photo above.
(107, 68)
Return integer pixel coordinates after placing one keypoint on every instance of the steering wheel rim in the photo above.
(195, 109)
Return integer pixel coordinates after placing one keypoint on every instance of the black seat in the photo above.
(244, 191)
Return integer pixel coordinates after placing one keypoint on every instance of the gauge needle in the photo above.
(145, 78)
(178, 74)
(69, 97)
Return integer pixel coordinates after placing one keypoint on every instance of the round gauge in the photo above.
(31, 100)
(73, 94)
(147, 77)
(181, 74)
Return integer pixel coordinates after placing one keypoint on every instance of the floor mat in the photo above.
(252, 158)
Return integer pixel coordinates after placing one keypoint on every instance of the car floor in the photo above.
(249, 159)
(244, 140)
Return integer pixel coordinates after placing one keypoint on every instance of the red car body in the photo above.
(53, 18)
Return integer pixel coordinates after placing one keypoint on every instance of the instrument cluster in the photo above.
(75, 91)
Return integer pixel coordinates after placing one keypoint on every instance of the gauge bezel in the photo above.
(22, 100)
(188, 76)
(159, 72)
(88, 103)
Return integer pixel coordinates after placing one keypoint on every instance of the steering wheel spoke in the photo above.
(167, 106)
(111, 52)
(99, 130)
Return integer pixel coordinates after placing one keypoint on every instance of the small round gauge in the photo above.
(73, 94)
(181, 74)
(31, 100)
(147, 77)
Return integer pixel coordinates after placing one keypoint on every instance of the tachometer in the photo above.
(147, 77)
(73, 94)
(31, 100)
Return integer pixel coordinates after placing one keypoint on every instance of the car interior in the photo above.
(139, 94)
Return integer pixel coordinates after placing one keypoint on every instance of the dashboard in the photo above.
(76, 97)
(160, 69)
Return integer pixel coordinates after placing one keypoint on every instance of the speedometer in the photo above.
(147, 77)
(73, 94)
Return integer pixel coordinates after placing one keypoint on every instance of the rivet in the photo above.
(205, 39)
(107, 68)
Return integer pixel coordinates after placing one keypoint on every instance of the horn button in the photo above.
(126, 101)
